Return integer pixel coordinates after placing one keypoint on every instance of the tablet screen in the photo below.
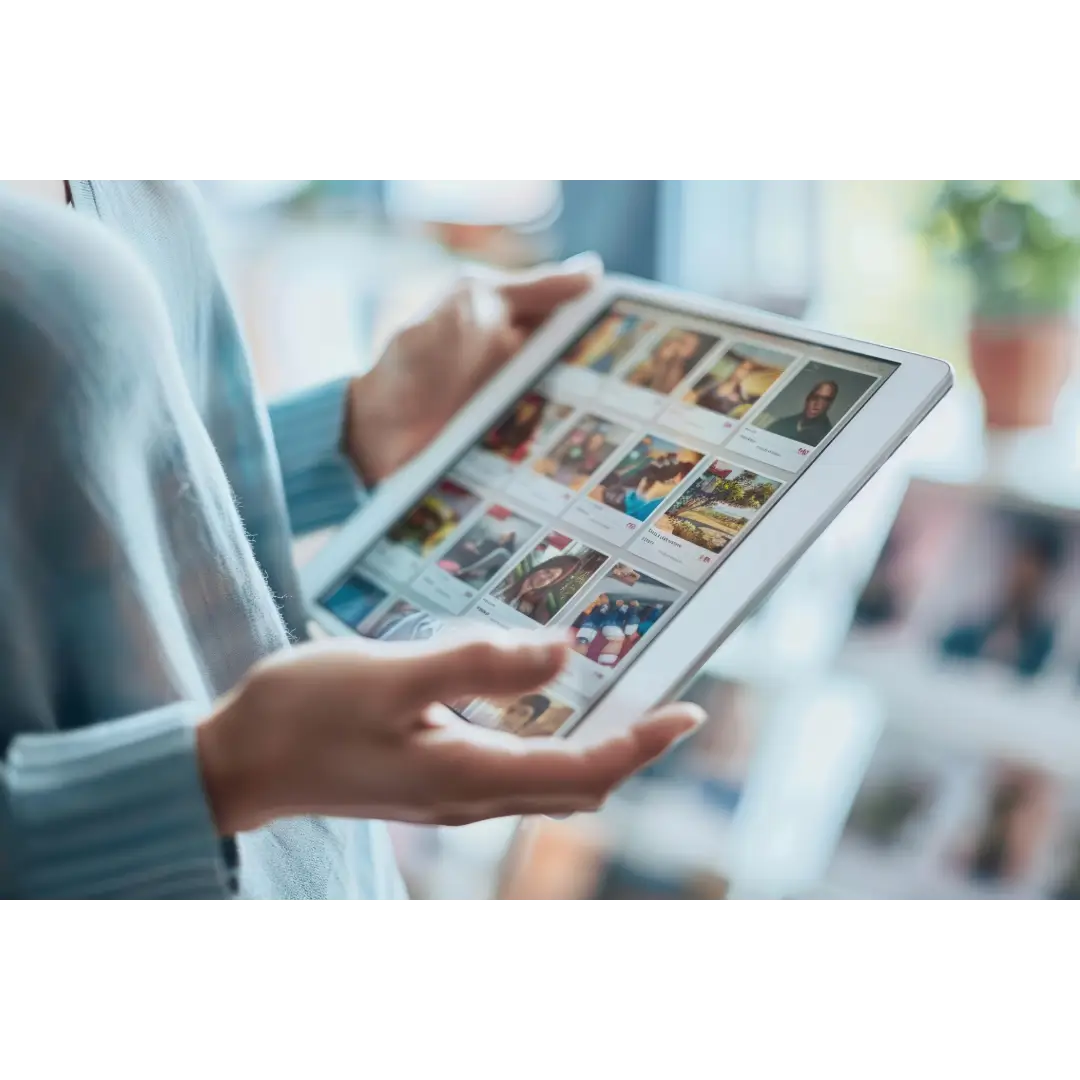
(607, 494)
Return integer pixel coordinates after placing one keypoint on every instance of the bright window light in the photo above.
(474, 200)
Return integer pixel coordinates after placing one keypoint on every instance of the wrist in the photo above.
(230, 775)
(365, 439)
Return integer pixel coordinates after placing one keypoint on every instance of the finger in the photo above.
(491, 765)
(481, 664)
(534, 296)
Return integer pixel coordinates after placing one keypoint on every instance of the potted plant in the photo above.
(1020, 243)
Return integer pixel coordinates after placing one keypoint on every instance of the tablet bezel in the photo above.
(751, 570)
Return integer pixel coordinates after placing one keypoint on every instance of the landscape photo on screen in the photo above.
(738, 380)
(608, 341)
(645, 477)
(548, 577)
(670, 360)
(713, 510)
(622, 607)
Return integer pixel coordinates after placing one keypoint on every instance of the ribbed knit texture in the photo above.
(145, 556)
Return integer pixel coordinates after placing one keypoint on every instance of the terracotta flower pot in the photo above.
(1021, 366)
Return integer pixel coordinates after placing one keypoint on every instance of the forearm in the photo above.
(115, 810)
(322, 486)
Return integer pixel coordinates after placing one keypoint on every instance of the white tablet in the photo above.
(642, 474)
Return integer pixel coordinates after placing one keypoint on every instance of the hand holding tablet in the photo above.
(355, 729)
(638, 477)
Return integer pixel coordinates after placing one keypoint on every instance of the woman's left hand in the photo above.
(433, 366)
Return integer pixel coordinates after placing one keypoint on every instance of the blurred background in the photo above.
(902, 718)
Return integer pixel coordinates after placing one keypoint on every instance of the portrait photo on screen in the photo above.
(620, 610)
(530, 715)
(434, 518)
(581, 451)
(548, 577)
(608, 341)
(813, 403)
(738, 380)
(481, 551)
(531, 420)
(645, 477)
(670, 360)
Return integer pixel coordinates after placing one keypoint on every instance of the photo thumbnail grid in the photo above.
(578, 504)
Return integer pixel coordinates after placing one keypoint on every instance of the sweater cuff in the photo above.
(321, 486)
(115, 810)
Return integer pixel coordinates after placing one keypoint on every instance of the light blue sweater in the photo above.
(145, 556)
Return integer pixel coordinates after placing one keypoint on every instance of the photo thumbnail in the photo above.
(623, 607)
(432, 521)
(474, 559)
(707, 516)
(670, 360)
(738, 380)
(354, 600)
(635, 488)
(533, 418)
(567, 466)
(803, 413)
(645, 477)
(531, 715)
(546, 579)
(608, 341)
(389, 619)
(434, 518)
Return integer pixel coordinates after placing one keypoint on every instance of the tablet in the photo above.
(641, 474)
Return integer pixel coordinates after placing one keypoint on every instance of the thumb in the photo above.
(481, 665)
(534, 295)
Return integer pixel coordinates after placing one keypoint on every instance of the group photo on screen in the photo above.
(549, 577)
(434, 518)
(645, 477)
(533, 417)
(713, 510)
(623, 606)
(738, 380)
(813, 403)
(670, 360)
(581, 451)
(608, 341)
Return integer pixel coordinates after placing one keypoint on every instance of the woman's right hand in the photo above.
(355, 729)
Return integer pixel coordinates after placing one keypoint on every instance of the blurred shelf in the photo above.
(973, 707)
